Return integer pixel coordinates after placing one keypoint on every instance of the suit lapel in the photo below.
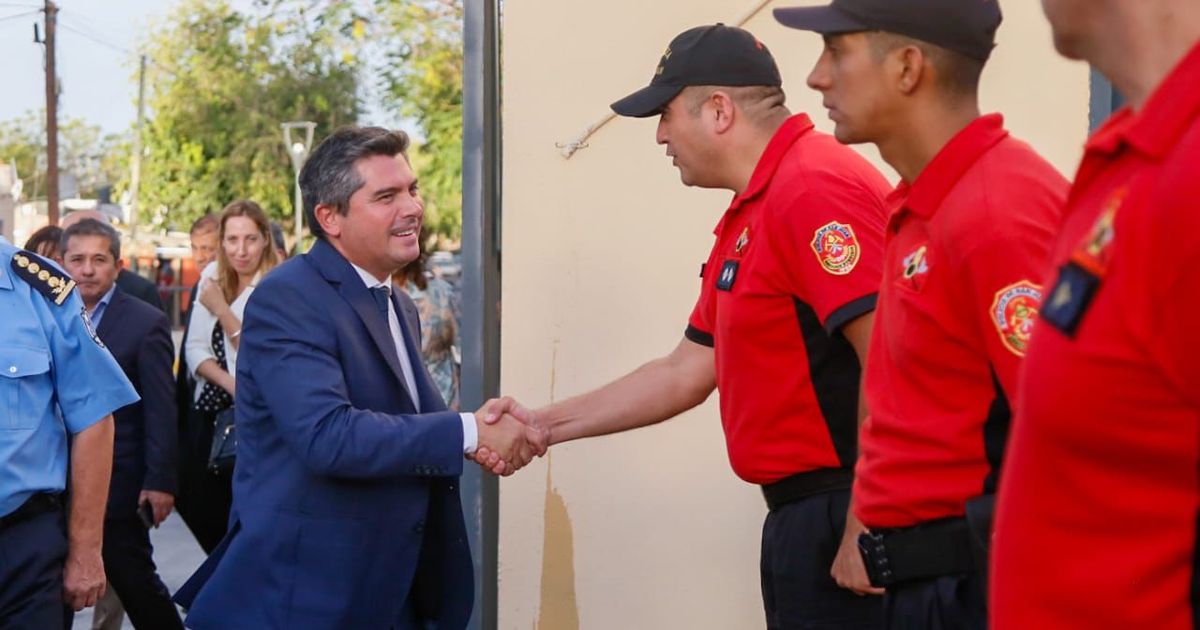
(111, 313)
(335, 268)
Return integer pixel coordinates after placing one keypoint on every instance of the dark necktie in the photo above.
(382, 294)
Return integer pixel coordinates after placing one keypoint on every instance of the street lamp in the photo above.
(298, 149)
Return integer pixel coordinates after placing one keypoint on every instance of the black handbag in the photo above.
(223, 453)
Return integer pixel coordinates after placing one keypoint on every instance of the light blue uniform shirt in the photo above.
(55, 378)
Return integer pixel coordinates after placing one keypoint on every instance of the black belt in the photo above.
(928, 550)
(806, 484)
(39, 503)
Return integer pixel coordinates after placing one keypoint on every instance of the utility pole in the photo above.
(135, 164)
(51, 116)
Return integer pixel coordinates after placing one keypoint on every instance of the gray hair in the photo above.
(92, 227)
(330, 177)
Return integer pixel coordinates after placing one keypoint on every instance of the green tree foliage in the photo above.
(95, 160)
(423, 80)
(220, 82)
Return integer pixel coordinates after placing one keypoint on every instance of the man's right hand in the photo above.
(848, 569)
(491, 413)
(509, 439)
(83, 579)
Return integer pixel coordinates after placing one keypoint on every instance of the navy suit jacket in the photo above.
(144, 450)
(346, 502)
(140, 288)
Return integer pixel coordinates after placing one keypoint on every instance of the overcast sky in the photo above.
(96, 63)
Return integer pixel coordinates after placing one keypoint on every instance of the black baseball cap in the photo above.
(967, 27)
(705, 55)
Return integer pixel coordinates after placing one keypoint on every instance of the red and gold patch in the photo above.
(742, 242)
(1014, 312)
(1095, 253)
(836, 248)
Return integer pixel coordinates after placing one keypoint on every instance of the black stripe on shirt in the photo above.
(834, 371)
(698, 336)
(850, 312)
(995, 435)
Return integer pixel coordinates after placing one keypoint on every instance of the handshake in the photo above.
(509, 436)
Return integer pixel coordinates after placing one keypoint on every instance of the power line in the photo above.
(18, 15)
(94, 38)
(20, 5)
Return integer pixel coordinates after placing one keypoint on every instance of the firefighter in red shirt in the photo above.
(783, 318)
(1097, 517)
(966, 243)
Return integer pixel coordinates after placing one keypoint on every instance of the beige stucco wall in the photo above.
(601, 253)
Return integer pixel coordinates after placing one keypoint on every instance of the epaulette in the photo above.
(42, 275)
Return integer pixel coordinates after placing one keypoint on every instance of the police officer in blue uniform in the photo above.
(58, 385)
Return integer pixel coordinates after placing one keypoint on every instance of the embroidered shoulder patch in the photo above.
(89, 326)
(1014, 312)
(42, 275)
(836, 248)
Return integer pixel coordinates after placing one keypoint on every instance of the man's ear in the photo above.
(722, 111)
(329, 219)
(910, 68)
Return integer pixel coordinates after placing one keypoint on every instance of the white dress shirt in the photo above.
(470, 430)
(198, 345)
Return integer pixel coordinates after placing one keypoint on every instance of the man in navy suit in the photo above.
(128, 281)
(139, 338)
(346, 509)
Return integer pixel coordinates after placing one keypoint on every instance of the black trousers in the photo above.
(799, 542)
(951, 602)
(32, 554)
(129, 565)
(204, 497)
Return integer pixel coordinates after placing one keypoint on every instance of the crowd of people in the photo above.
(969, 400)
(162, 446)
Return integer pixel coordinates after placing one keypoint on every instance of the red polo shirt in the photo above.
(1098, 513)
(967, 245)
(797, 256)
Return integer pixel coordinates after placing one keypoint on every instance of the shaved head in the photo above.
(79, 215)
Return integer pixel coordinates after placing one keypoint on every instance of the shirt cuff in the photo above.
(470, 433)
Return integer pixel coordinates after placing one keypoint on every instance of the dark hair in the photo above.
(92, 227)
(206, 223)
(47, 242)
(761, 102)
(330, 177)
(957, 73)
(277, 237)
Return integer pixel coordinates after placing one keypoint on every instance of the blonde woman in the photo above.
(244, 255)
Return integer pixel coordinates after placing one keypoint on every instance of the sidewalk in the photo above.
(176, 554)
